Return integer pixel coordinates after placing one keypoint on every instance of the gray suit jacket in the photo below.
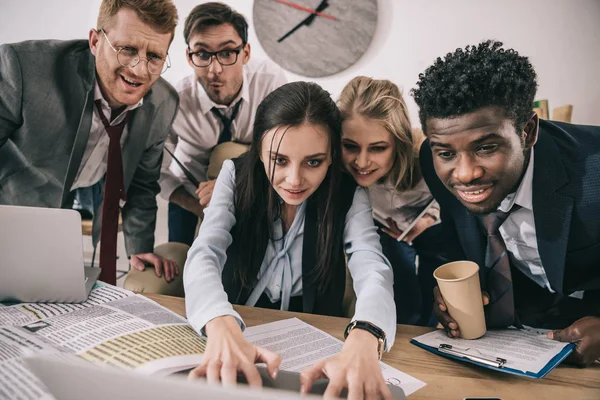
(46, 100)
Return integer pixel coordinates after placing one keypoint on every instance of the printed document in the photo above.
(300, 345)
(526, 350)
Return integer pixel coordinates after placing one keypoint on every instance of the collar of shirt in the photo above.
(106, 108)
(523, 195)
(206, 104)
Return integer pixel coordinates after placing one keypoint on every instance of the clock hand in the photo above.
(294, 29)
(322, 5)
(320, 14)
(306, 21)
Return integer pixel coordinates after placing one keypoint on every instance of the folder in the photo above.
(412, 224)
(487, 358)
(186, 171)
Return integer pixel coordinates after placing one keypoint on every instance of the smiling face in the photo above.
(122, 86)
(300, 156)
(221, 83)
(479, 156)
(367, 149)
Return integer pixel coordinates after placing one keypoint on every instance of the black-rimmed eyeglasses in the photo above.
(129, 57)
(203, 58)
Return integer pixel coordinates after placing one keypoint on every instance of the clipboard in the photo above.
(474, 355)
(491, 362)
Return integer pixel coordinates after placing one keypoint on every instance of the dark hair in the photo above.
(212, 14)
(476, 77)
(257, 205)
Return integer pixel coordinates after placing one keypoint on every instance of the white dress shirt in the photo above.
(518, 232)
(280, 275)
(93, 163)
(402, 207)
(196, 129)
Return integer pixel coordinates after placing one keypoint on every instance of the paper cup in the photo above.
(459, 284)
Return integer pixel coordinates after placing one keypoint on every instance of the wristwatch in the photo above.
(372, 329)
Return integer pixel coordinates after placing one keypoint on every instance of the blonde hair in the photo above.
(382, 101)
(159, 14)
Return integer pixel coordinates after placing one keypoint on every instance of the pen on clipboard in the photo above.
(187, 173)
(412, 225)
(490, 361)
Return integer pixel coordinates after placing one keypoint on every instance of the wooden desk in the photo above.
(446, 379)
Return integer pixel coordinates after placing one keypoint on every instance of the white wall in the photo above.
(561, 37)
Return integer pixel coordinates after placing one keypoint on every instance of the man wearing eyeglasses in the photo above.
(217, 105)
(84, 123)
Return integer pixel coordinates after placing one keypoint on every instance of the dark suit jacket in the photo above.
(566, 205)
(46, 101)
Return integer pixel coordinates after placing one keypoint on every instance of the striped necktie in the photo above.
(500, 312)
(226, 134)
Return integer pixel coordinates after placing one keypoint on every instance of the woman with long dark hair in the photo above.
(281, 223)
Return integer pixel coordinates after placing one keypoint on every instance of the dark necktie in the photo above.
(501, 310)
(114, 190)
(225, 135)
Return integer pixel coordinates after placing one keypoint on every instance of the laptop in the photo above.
(41, 256)
(76, 379)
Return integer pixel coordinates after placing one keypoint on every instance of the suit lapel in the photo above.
(137, 137)
(552, 210)
(86, 70)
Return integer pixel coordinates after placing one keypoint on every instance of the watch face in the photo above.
(314, 45)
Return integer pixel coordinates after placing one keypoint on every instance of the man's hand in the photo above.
(441, 312)
(204, 192)
(169, 267)
(585, 333)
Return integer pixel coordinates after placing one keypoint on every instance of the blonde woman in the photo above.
(380, 150)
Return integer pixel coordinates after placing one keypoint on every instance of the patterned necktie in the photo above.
(114, 190)
(501, 310)
(225, 135)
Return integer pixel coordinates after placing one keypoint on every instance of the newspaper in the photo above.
(300, 345)
(113, 327)
(23, 313)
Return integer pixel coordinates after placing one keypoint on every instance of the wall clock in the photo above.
(315, 44)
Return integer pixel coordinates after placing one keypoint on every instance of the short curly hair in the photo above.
(476, 77)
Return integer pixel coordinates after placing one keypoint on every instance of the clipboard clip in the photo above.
(464, 353)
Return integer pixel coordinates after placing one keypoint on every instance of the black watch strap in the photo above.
(369, 327)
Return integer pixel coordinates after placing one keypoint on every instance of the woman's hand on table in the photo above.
(355, 368)
(228, 352)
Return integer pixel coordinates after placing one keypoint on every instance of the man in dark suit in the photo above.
(518, 195)
(88, 119)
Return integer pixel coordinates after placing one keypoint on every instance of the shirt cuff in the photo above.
(199, 322)
(389, 329)
(168, 184)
